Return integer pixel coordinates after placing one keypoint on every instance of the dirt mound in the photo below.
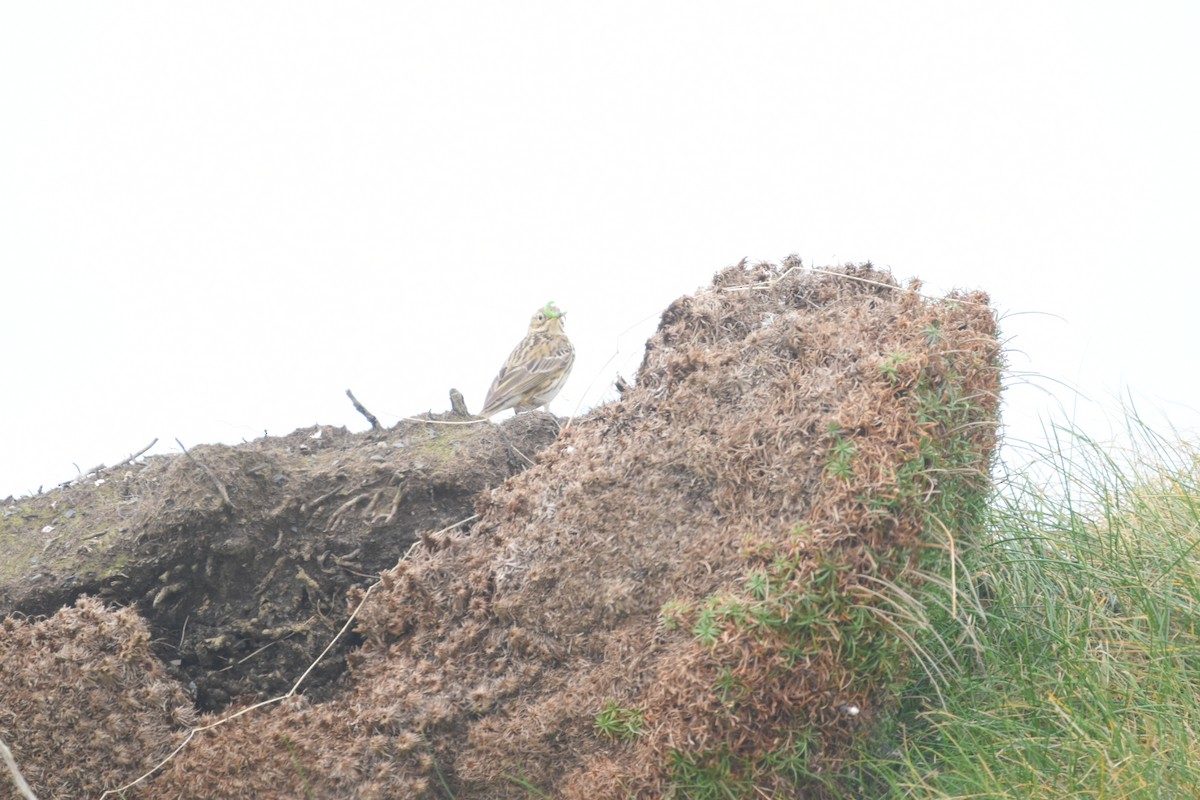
(692, 593)
(692, 587)
(240, 557)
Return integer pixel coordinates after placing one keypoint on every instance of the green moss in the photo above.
(21, 539)
(441, 444)
(74, 544)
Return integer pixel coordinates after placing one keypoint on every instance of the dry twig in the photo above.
(96, 470)
(362, 410)
(13, 770)
(83, 474)
(135, 455)
(212, 476)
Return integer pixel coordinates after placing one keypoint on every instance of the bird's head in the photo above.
(547, 318)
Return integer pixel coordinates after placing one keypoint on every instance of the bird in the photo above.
(536, 369)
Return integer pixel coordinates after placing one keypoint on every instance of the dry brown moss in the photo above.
(83, 703)
(788, 441)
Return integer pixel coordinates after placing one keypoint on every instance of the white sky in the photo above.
(216, 217)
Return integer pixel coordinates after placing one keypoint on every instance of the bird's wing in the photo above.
(522, 375)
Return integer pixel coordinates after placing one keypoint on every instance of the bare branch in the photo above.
(135, 455)
(96, 470)
(360, 409)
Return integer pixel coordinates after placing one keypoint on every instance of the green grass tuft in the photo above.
(1063, 659)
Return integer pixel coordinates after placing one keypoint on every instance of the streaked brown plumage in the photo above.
(536, 369)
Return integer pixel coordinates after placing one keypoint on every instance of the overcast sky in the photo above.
(217, 217)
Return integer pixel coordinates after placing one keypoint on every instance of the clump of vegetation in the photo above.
(83, 701)
(616, 722)
(1071, 664)
(843, 605)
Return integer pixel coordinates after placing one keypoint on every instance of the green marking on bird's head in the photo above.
(551, 311)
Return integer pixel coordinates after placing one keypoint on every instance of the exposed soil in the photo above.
(240, 557)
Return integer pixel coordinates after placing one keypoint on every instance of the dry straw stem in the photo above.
(428, 421)
(17, 777)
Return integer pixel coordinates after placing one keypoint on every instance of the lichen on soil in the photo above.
(704, 560)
